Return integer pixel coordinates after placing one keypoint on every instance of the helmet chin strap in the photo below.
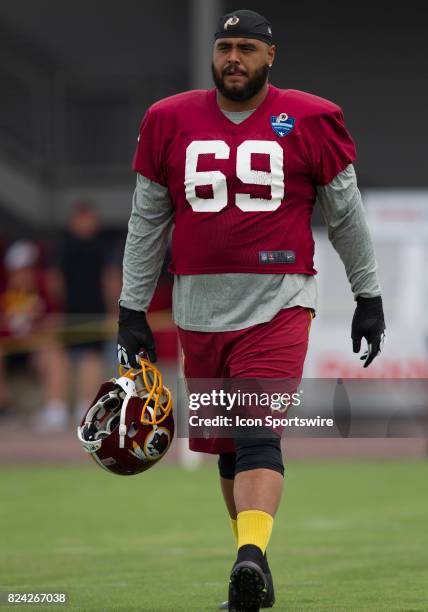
(122, 425)
(128, 386)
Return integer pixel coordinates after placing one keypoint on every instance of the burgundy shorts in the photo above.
(276, 349)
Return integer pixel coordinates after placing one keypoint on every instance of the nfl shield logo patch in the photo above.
(282, 124)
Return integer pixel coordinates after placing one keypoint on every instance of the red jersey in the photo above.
(243, 193)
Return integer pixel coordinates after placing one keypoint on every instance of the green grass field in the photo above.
(348, 537)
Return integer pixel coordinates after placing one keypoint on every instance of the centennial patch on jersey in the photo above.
(282, 124)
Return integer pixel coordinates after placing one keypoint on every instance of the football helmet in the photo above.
(129, 425)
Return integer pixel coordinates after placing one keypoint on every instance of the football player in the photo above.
(236, 171)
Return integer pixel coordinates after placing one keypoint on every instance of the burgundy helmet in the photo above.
(130, 425)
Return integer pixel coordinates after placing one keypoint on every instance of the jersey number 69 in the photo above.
(215, 178)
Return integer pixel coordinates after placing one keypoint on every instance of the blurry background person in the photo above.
(85, 279)
(27, 336)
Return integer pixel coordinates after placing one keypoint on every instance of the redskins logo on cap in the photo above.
(231, 22)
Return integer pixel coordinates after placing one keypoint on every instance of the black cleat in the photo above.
(269, 598)
(247, 587)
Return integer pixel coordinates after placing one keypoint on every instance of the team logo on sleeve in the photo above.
(282, 124)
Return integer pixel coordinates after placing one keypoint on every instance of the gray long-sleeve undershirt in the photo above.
(146, 243)
(224, 302)
(348, 231)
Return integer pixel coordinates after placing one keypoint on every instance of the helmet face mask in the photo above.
(129, 425)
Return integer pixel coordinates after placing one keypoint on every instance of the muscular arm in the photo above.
(146, 243)
(349, 233)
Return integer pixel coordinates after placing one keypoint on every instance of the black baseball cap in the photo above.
(244, 24)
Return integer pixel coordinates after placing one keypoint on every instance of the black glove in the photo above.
(368, 323)
(134, 336)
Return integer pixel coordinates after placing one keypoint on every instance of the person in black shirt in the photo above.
(81, 269)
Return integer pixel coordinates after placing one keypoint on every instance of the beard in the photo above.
(239, 93)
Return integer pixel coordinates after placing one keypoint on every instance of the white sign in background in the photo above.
(399, 226)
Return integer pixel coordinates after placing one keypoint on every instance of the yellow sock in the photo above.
(234, 528)
(254, 527)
